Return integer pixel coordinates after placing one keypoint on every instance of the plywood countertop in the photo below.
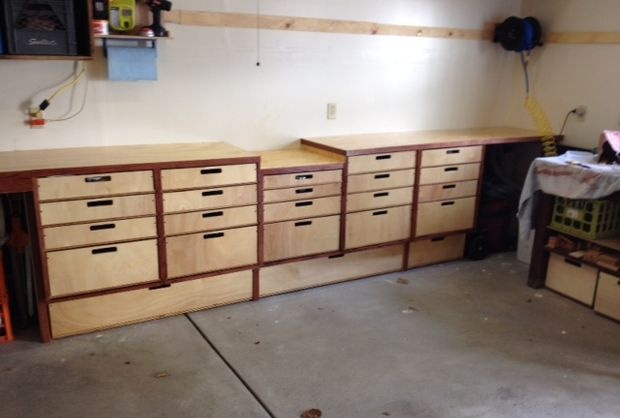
(401, 141)
(64, 158)
(298, 158)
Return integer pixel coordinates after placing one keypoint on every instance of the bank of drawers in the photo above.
(99, 231)
(379, 197)
(210, 218)
(448, 190)
(301, 214)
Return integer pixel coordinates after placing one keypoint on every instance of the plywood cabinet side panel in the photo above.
(99, 312)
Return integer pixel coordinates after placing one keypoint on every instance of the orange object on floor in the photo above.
(6, 330)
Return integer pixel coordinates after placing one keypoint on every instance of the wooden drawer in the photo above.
(185, 223)
(209, 198)
(298, 238)
(436, 250)
(449, 174)
(99, 233)
(191, 178)
(94, 268)
(211, 251)
(379, 181)
(572, 278)
(275, 212)
(379, 199)
(319, 271)
(381, 162)
(433, 192)
(92, 185)
(310, 192)
(74, 211)
(280, 181)
(449, 156)
(445, 216)
(608, 296)
(378, 226)
(99, 312)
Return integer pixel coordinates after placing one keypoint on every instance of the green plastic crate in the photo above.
(590, 219)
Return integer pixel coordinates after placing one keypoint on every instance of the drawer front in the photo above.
(433, 192)
(436, 250)
(379, 181)
(99, 312)
(448, 156)
(449, 174)
(94, 268)
(608, 296)
(280, 181)
(185, 223)
(445, 216)
(74, 211)
(298, 238)
(275, 212)
(189, 178)
(378, 226)
(211, 251)
(99, 233)
(571, 278)
(209, 198)
(309, 192)
(92, 185)
(319, 271)
(379, 199)
(381, 162)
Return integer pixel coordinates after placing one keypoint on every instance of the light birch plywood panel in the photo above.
(379, 181)
(572, 278)
(449, 174)
(451, 156)
(195, 200)
(99, 312)
(379, 199)
(377, 226)
(96, 268)
(608, 296)
(93, 185)
(319, 271)
(306, 192)
(433, 192)
(445, 216)
(436, 250)
(279, 181)
(209, 176)
(185, 223)
(275, 212)
(381, 162)
(99, 233)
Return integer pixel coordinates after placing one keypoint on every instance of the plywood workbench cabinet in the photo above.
(133, 233)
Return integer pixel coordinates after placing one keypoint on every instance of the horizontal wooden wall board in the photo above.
(308, 24)
(353, 27)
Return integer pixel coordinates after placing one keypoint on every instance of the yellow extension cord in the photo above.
(543, 125)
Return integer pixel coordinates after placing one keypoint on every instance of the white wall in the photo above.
(209, 87)
(566, 76)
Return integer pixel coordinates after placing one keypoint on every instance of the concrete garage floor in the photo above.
(463, 339)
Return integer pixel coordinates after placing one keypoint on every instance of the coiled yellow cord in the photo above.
(543, 125)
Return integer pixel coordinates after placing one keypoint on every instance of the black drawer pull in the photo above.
(212, 214)
(382, 176)
(97, 179)
(451, 169)
(102, 227)
(302, 191)
(449, 186)
(303, 223)
(453, 151)
(95, 203)
(383, 157)
(572, 262)
(450, 203)
(213, 193)
(342, 255)
(161, 286)
(380, 212)
(213, 235)
(304, 177)
(205, 171)
(437, 239)
(104, 250)
(300, 204)
(381, 194)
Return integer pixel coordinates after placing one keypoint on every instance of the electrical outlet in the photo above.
(580, 112)
(331, 110)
